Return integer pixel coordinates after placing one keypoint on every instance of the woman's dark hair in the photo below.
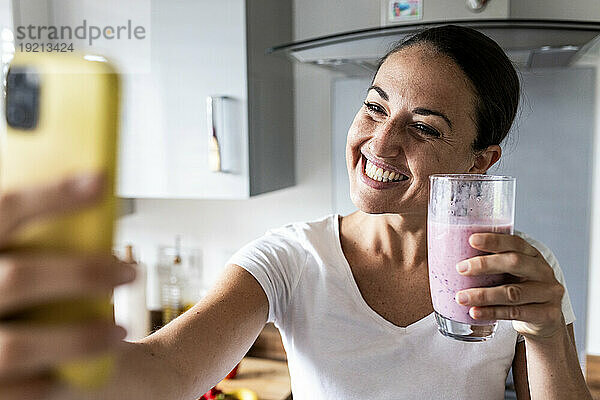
(489, 70)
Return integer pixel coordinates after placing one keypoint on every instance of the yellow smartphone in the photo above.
(62, 119)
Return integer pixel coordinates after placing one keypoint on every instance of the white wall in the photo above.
(584, 10)
(593, 326)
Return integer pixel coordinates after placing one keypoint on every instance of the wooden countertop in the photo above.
(270, 379)
(593, 375)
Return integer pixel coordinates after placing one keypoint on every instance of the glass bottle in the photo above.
(172, 288)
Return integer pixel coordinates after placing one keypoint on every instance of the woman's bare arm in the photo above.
(520, 365)
(184, 359)
(519, 371)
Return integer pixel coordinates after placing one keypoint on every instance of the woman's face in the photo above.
(418, 120)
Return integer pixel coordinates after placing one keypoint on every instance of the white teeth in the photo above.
(369, 166)
(381, 175)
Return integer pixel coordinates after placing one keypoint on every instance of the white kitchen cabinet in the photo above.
(195, 49)
(204, 48)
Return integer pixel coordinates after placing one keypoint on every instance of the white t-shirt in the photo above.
(340, 348)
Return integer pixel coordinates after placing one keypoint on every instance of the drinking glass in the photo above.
(460, 205)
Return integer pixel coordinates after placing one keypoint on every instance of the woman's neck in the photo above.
(397, 239)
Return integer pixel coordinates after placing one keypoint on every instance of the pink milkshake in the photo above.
(447, 245)
(460, 205)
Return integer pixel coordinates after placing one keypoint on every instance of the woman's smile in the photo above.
(380, 178)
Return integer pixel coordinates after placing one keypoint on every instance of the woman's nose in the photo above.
(386, 142)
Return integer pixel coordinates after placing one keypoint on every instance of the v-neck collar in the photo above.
(424, 322)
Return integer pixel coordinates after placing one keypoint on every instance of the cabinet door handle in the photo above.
(214, 150)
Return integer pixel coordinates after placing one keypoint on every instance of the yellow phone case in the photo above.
(75, 131)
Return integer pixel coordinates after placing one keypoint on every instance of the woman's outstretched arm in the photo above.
(187, 357)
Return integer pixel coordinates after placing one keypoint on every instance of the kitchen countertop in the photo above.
(270, 379)
(593, 375)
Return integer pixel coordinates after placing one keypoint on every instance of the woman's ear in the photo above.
(485, 159)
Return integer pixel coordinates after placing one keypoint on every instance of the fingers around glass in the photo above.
(512, 294)
(513, 263)
(544, 314)
(502, 242)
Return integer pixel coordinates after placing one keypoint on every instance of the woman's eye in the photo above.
(427, 130)
(375, 108)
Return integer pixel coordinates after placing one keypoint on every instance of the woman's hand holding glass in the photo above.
(29, 351)
(533, 303)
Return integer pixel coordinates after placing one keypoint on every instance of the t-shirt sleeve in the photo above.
(276, 261)
(567, 308)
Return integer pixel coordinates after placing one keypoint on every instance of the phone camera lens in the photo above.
(22, 98)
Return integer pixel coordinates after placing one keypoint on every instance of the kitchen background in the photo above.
(554, 152)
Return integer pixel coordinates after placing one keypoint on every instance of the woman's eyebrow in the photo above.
(426, 111)
(418, 110)
(379, 90)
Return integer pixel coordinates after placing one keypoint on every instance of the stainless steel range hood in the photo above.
(529, 43)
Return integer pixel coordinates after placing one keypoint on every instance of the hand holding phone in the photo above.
(30, 350)
(62, 119)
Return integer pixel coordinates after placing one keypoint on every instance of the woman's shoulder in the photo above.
(308, 230)
(293, 239)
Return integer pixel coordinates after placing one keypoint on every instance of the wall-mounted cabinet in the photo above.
(195, 50)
